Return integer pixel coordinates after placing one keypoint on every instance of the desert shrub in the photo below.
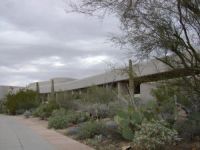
(99, 95)
(2, 106)
(45, 110)
(109, 110)
(170, 94)
(150, 110)
(19, 111)
(90, 129)
(154, 135)
(76, 117)
(166, 97)
(58, 120)
(37, 112)
(99, 110)
(172, 98)
(189, 128)
(22, 100)
(67, 100)
(128, 121)
(27, 114)
(115, 107)
(62, 118)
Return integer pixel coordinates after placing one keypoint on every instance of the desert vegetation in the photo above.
(110, 123)
(18, 103)
(168, 31)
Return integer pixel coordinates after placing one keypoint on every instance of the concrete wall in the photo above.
(3, 91)
(145, 91)
(6, 89)
(45, 86)
(117, 75)
(147, 73)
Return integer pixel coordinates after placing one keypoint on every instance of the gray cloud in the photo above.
(39, 40)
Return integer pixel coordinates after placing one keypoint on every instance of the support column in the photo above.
(48, 96)
(52, 90)
(107, 86)
(120, 91)
(56, 96)
(64, 95)
(80, 92)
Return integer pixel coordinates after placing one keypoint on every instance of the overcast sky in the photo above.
(39, 41)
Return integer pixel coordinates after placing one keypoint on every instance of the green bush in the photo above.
(171, 98)
(39, 110)
(189, 128)
(150, 110)
(165, 96)
(62, 118)
(99, 110)
(99, 95)
(22, 100)
(27, 114)
(169, 95)
(58, 120)
(90, 129)
(128, 121)
(65, 100)
(2, 107)
(45, 110)
(76, 117)
(154, 135)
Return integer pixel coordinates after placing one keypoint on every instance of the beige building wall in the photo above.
(145, 91)
(4, 90)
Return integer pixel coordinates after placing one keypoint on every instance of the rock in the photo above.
(72, 130)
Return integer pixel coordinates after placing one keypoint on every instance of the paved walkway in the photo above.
(17, 133)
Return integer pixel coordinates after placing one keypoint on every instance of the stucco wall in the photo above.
(6, 89)
(145, 91)
(3, 91)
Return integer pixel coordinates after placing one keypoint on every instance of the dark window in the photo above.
(137, 89)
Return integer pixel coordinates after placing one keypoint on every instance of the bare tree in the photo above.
(156, 28)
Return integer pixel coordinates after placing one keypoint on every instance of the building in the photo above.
(4, 90)
(147, 74)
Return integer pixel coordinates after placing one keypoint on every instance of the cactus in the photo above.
(128, 122)
(131, 87)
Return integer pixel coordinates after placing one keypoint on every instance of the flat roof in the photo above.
(141, 69)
